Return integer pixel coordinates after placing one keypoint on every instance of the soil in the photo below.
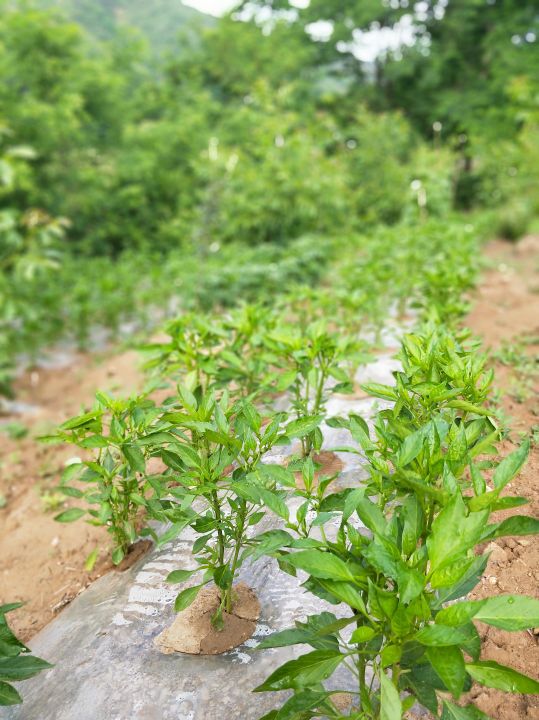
(192, 631)
(506, 310)
(42, 561)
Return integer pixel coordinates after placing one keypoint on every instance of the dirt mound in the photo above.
(192, 631)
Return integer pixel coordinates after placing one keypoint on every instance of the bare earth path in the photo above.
(506, 311)
(42, 561)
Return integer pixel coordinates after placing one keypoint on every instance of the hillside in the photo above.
(160, 21)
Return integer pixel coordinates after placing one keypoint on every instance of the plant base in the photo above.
(136, 551)
(192, 631)
(330, 464)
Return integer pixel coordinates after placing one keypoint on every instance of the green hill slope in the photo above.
(159, 20)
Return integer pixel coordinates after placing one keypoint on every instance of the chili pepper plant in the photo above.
(218, 485)
(306, 362)
(404, 558)
(16, 661)
(114, 485)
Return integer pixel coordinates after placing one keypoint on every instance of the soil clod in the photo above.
(192, 631)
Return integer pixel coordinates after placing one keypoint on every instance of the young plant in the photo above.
(119, 432)
(439, 369)
(216, 353)
(16, 661)
(218, 485)
(191, 354)
(306, 362)
(395, 571)
(243, 363)
(440, 419)
(397, 562)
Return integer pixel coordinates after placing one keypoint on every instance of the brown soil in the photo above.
(42, 561)
(192, 631)
(506, 308)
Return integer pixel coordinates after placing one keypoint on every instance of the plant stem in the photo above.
(234, 564)
(220, 536)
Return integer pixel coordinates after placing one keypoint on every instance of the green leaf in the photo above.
(299, 703)
(515, 525)
(454, 533)
(508, 502)
(451, 574)
(277, 473)
(382, 391)
(411, 447)
(385, 558)
(508, 612)
(493, 675)
(271, 715)
(450, 711)
(351, 500)
(424, 692)
(345, 592)
(91, 559)
(284, 638)
(135, 457)
(188, 399)
(8, 695)
(320, 565)
(222, 577)
(412, 515)
(117, 555)
(390, 655)
(267, 543)
(9, 607)
(478, 481)
(443, 635)
(21, 667)
(70, 515)
(275, 503)
(371, 516)
(470, 407)
(466, 583)
(179, 576)
(155, 438)
(286, 379)
(81, 420)
(390, 702)
(71, 470)
(362, 634)
(448, 662)
(510, 466)
(305, 671)
(70, 491)
(104, 399)
(303, 426)
(318, 631)
(360, 432)
(172, 460)
(93, 442)
(186, 597)
(337, 422)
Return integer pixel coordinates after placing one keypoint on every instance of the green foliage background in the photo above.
(157, 144)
